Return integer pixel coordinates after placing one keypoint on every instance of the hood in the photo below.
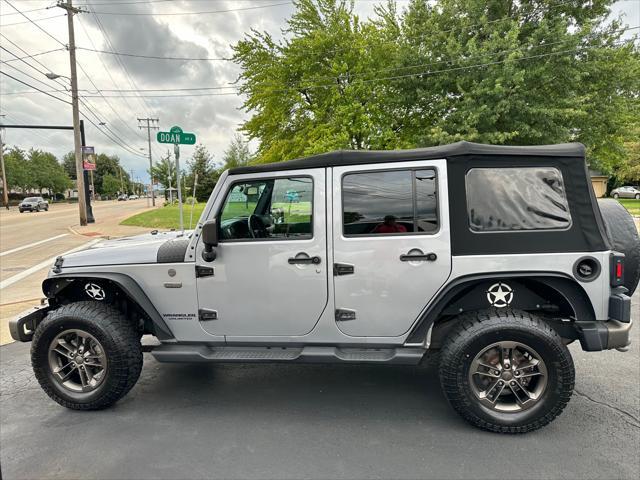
(128, 250)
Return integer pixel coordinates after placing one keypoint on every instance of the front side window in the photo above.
(511, 199)
(389, 202)
(280, 208)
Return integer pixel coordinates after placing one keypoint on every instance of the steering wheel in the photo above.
(257, 221)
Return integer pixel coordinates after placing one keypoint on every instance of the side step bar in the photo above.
(309, 354)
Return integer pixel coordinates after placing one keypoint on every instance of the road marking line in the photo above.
(33, 244)
(47, 263)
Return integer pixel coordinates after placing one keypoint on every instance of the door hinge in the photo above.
(206, 314)
(343, 269)
(202, 271)
(344, 314)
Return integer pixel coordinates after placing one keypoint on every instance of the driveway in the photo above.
(315, 421)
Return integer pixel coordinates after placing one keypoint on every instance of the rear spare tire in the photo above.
(623, 235)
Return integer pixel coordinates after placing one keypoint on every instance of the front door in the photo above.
(391, 244)
(270, 274)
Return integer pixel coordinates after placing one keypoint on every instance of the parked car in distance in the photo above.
(626, 192)
(33, 204)
(133, 197)
(122, 198)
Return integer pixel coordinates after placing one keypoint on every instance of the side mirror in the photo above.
(210, 240)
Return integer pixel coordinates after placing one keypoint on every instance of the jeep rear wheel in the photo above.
(506, 371)
(86, 355)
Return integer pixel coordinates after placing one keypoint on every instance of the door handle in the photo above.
(304, 260)
(428, 257)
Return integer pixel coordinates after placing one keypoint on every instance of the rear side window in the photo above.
(389, 202)
(508, 199)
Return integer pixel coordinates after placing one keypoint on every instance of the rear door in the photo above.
(391, 244)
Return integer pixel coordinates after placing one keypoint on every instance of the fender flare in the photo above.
(564, 284)
(54, 285)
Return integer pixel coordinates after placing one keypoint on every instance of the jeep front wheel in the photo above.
(86, 355)
(506, 371)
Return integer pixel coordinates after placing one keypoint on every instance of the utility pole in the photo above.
(77, 142)
(121, 184)
(149, 124)
(5, 187)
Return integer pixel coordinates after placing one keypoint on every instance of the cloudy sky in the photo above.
(141, 27)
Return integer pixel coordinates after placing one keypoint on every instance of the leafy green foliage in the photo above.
(237, 154)
(490, 71)
(110, 185)
(35, 170)
(201, 164)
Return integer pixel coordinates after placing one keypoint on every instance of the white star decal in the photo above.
(500, 295)
(94, 291)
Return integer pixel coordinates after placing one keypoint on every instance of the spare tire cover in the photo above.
(624, 238)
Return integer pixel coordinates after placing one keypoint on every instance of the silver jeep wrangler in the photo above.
(489, 259)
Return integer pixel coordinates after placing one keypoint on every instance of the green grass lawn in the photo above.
(632, 205)
(169, 217)
(165, 217)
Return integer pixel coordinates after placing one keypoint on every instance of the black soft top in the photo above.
(359, 157)
(586, 233)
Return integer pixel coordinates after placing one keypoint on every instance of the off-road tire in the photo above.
(624, 238)
(477, 330)
(116, 334)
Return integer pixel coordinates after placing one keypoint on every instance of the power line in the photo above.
(87, 105)
(34, 55)
(34, 23)
(135, 133)
(32, 20)
(394, 77)
(35, 88)
(167, 14)
(58, 82)
(154, 57)
(131, 81)
(132, 84)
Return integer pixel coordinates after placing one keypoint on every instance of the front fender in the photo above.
(55, 285)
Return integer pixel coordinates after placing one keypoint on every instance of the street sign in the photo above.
(88, 158)
(176, 136)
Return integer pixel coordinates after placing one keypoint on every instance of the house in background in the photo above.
(599, 182)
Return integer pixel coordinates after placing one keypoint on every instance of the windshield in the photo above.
(31, 199)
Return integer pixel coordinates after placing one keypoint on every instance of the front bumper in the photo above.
(24, 325)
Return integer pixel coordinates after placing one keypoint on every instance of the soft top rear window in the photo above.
(512, 199)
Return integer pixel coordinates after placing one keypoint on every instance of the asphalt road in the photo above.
(316, 421)
(29, 242)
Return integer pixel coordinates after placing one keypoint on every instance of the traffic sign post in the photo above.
(176, 136)
(176, 151)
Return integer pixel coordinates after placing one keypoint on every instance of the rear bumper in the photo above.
(598, 335)
(24, 325)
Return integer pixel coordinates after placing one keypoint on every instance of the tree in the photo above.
(164, 173)
(490, 71)
(105, 165)
(46, 172)
(110, 185)
(69, 164)
(237, 154)
(202, 165)
(17, 169)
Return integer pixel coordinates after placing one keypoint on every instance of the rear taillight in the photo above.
(617, 269)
